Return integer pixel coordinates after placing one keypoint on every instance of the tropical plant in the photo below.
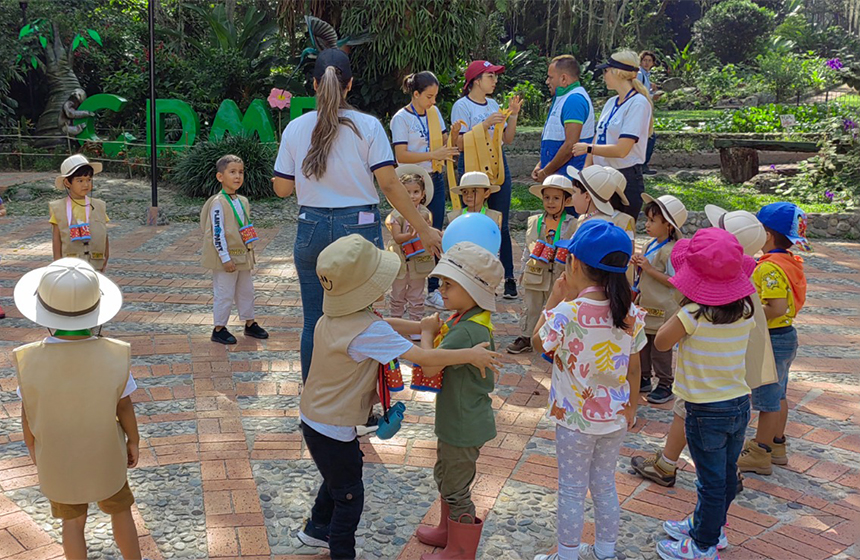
(683, 63)
(789, 75)
(766, 118)
(734, 30)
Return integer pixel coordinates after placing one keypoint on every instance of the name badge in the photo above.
(654, 312)
(98, 256)
(237, 252)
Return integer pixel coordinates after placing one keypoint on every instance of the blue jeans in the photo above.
(437, 208)
(317, 229)
(500, 202)
(767, 397)
(715, 436)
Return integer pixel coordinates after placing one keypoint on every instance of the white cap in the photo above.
(740, 223)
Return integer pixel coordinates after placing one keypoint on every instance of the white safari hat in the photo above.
(72, 164)
(673, 210)
(354, 273)
(601, 183)
(414, 169)
(474, 268)
(475, 180)
(559, 182)
(67, 294)
(740, 223)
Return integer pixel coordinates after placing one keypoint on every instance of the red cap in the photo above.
(478, 67)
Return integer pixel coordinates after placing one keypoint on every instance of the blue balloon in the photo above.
(475, 227)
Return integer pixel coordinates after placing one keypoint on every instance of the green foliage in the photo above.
(734, 30)
(765, 118)
(534, 110)
(832, 176)
(790, 75)
(195, 172)
(683, 63)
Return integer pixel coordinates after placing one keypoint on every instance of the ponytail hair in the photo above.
(418, 82)
(632, 59)
(616, 286)
(330, 98)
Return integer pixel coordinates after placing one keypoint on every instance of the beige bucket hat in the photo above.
(474, 268)
(354, 273)
(475, 180)
(601, 183)
(673, 210)
(414, 169)
(740, 223)
(559, 182)
(67, 294)
(72, 164)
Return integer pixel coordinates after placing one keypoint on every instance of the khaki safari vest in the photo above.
(537, 275)
(660, 301)
(93, 251)
(241, 255)
(419, 266)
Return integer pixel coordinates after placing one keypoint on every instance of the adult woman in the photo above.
(625, 124)
(476, 108)
(410, 133)
(329, 157)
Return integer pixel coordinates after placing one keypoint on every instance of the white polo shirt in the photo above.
(412, 130)
(473, 113)
(348, 180)
(630, 119)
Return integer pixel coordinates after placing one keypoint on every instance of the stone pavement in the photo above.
(224, 472)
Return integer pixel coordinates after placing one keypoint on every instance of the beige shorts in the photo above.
(679, 409)
(117, 503)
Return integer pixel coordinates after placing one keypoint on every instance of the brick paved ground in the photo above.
(224, 473)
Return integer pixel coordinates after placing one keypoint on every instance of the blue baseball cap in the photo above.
(594, 240)
(787, 219)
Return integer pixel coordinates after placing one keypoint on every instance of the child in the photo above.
(781, 286)
(711, 330)
(475, 189)
(598, 193)
(538, 275)
(665, 217)
(76, 414)
(79, 223)
(593, 333)
(464, 411)
(228, 251)
(350, 343)
(410, 289)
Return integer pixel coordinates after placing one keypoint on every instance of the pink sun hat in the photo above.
(711, 268)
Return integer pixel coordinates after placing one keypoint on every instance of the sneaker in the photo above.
(779, 453)
(680, 530)
(755, 458)
(645, 386)
(649, 172)
(520, 345)
(510, 288)
(314, 535)
(256, 331)
(655, 469)
(223, 336)
(434, 300)
(370, 426)
(685, 550)
(660, 395)
(587, 552)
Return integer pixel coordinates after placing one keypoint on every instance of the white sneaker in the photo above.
(434, 300)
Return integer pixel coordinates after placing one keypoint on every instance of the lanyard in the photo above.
(483, 210)
(601, 138)
(652, 248)
(557, 229)
(82, 332)
(425, 131)
(69, 209)
(244, 210)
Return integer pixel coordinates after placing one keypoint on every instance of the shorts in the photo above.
(767, 397)
(679, 409)
(117, 503)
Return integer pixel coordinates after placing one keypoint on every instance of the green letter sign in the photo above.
(229, 119)
(187, 116)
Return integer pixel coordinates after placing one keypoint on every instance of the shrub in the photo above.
(195, 172)
(790, 75)
(534, 110)
(832, 176)
(734, 30)
(766, 118)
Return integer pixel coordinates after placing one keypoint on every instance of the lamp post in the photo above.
(152, 216)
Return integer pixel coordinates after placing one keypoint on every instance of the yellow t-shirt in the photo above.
(710, 366)
(79, 213)
(772, 283)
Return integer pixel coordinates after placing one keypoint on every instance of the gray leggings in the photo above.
(587, 461)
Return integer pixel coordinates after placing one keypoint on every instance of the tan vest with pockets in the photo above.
(242, 256)
(94, 250)
(419, 266)
(540, 276)
(340, 391)
(70, 391)
(760, 365)
(657, 299)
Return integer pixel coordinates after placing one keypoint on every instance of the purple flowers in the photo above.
(828, 195)
(834, 64)
(848, 124)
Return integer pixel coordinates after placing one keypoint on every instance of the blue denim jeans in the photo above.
(437, 208)
(500, 202)
(715, 436)
(317, 229)
(767, 397)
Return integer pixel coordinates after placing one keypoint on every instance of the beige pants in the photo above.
(408, 290)
(533, 303)
(229, 287)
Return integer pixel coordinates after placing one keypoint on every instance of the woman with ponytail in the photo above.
(626, 123)
(421, 140)
(329, 158)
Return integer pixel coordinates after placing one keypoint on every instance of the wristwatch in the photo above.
(588, 150)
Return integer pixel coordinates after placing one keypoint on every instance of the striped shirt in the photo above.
(710, 366)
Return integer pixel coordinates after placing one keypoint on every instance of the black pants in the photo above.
(340, 499)
(634, 190)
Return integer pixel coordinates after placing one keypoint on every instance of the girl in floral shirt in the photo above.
(592, 333)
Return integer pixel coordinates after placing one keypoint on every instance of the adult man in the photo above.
(570, 120)
(647, 61)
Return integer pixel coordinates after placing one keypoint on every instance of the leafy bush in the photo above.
(195, 172)
(832, 176)
(734, 30)
(534, 110)
(765, 118)
(791, 75)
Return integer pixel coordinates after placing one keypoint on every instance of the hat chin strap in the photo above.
(56, 311)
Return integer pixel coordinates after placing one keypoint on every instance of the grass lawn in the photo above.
(694, 194)
(691, 115)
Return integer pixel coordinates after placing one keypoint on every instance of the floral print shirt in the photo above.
(589, 364)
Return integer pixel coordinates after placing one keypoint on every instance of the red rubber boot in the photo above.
(436, 536)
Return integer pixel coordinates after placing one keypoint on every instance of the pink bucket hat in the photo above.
(711, 268)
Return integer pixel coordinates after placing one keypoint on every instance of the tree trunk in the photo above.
(738, 165)
(62, 81)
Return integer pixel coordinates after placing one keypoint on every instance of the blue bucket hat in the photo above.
(787, 219)
(594, 240)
